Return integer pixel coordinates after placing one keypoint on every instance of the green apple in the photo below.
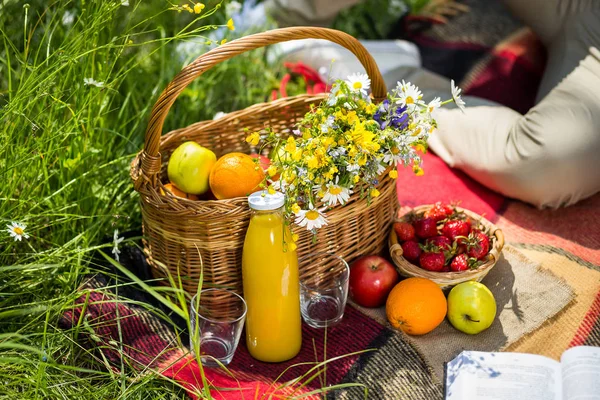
(189, 167)
(471, 307)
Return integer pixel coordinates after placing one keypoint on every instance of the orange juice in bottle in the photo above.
(271, 286)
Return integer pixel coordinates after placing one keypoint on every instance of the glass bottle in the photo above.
(271, 285)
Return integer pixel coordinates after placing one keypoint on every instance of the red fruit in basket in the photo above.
(411, 250)
(440, 241)
(456, 227)
(371, 280)
(404, 231)
(459, 263)
(478, 245)
(446, 268)
(426, 227)
(264, 161)
(432, 259)
(439, 211)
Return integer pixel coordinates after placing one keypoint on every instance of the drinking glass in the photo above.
(217, 318)
(323, 289)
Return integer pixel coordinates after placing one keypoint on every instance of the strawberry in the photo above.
(460, 263)
(478, 245)
(411, 250)
(439, 211)
(432, 258)
(425, 228)
(440, 241)
(456, 227)
(404, 231)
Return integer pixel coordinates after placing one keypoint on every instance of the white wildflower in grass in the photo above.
(311, 218)
(359, 83)
(408, 95)
(116, 241)
(456, 96)
(125, 3)
(233, 7)
(219, 114)
(92, 82)
(68, 18)
(17, 231)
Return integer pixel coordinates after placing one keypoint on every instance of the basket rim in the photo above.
(407, 268)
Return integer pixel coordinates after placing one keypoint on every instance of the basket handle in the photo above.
(151, 161)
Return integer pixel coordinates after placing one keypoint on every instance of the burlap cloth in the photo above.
(526, 296)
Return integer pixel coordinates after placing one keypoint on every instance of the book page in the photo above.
(476, 375)
(581, 373)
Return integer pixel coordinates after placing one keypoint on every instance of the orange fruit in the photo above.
(178, 193)
(235, 175)
(416, 306)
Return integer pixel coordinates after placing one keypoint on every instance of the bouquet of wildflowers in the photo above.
(346, 144)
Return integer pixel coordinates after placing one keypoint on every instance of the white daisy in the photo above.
(434, 104)
(92, 82)
(352, 167)
(116, 241)
(17, 230)
(460, 103)
(336, 194)
(311, 218)
(409, 95)
(233, 7)
(359, 82)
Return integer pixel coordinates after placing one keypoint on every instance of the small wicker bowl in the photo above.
(447, 280)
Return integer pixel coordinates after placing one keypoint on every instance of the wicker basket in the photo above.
(179, 233)
(448, 279)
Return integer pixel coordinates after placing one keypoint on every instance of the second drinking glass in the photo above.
(323, 289)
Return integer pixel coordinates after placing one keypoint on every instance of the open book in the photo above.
(476, 375)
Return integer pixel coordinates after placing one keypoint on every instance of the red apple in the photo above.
(264, 161)
(371, 280)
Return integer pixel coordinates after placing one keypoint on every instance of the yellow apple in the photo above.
(189, 167)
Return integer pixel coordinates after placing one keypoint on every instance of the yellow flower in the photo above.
(374, 192)
(290, 145)
(352, 117)
(223, 41)
(272, 170)
(356, 178)
(312, 162)
(187, 8)
(297, 156)
(328, 141)
(371, 108)
(420, 147)
(418, 170)
(363, 138)
(393, 174)
(295, 237)
(362, 160)
(253, 138)
(198, 7)
(292, 246)
(230, 25)
(271, 190)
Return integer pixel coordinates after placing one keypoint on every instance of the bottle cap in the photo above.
(264, 201)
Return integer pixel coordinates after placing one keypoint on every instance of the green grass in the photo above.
(65, 149)
(77, 81)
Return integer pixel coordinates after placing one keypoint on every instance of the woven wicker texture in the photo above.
(448, 279)
(182, 235)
